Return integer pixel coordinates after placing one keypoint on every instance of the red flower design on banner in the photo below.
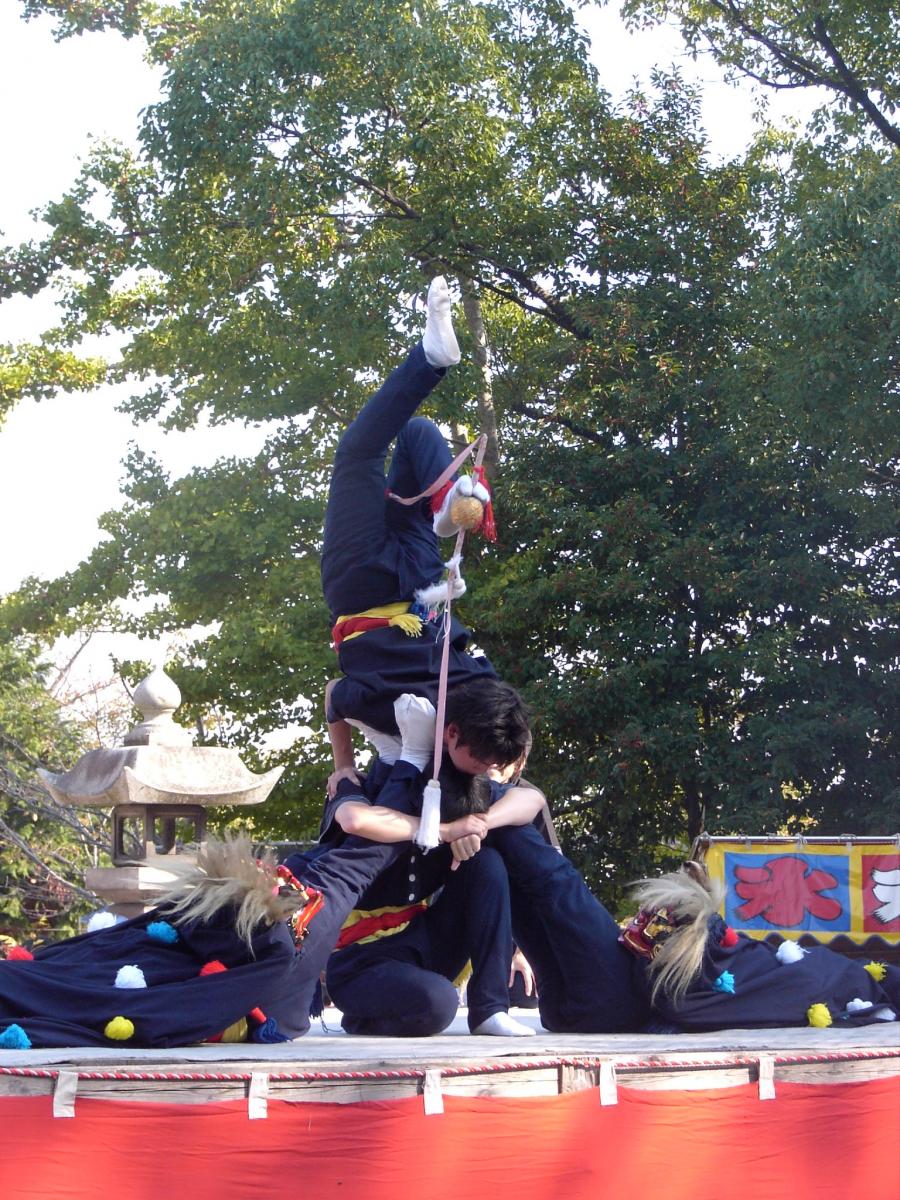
(783, 890)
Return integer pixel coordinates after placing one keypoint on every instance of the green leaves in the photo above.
(693, 376)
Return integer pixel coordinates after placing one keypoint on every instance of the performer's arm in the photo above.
(341, 739)
(380, 824)
(518, 806)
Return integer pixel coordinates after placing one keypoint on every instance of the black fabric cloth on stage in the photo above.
(769, 993)
(66, 995)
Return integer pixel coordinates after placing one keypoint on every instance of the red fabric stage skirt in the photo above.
(812, 1142)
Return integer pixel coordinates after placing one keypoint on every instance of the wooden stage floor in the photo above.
(328, 1066)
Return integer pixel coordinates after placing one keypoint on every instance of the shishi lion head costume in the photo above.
(701, 975)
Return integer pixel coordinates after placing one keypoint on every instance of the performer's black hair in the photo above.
(493, 720)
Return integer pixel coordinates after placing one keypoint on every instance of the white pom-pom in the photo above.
(789, 952)
(858, 1005)
(101, 920)
(429, 833)
(130, 977)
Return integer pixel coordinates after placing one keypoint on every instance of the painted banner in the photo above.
(841, 888)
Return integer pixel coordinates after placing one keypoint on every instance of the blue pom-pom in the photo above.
(14, 1037)
(268, 1033)
(725, 983)
(162, 931)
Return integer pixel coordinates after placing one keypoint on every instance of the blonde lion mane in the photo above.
(230, 873)
(691, 897)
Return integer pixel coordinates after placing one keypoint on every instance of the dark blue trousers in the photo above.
(402, 985)
(587, 983)
(376, 551)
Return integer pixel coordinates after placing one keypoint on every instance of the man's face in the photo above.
(462, 757)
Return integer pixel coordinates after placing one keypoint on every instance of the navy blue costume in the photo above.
(345, 867)
(402, 985)
(586, 981)
(378, 552)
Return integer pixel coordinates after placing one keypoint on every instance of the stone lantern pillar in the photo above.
(159, 786)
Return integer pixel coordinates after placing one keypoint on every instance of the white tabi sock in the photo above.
(501, 1024)
(415, 717)
(387, 747)
(439, 341)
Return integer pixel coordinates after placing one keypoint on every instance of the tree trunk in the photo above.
(486, 413)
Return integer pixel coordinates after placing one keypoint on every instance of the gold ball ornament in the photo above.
(467, 512)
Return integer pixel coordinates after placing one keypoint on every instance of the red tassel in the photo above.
(20, 953)
(729, 938)
(437, 500)
(488, 527)
(257, 1014)
(213, 967)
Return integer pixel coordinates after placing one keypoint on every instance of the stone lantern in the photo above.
(159, 786)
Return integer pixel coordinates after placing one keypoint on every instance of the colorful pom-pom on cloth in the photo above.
(119, 1029)
(213, 967)
(162, 931)
(14, 1037)
(729, 938)
(818, 1016)
(725, 983)
(19, 954)
(789, 952)
(268, 1033)
(130, 977)
(857, 1005)
(877, 970)
(101, 920)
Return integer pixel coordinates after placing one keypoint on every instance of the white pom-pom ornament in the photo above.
(789, 952)
(130, 977)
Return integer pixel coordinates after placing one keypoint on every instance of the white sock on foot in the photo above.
(439, 341)
(386, 745)
(501, 1024)
(415, 717)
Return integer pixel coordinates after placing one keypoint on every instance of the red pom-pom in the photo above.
(213, 968)
(19, 952)
(729, 938)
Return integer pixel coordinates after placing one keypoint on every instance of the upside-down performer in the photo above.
(213, 961)
(702, 975)
(382, 570)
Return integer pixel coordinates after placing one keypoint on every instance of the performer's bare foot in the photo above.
(501, 1024)
(439, 341)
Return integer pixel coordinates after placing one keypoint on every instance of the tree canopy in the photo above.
(692, 370)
